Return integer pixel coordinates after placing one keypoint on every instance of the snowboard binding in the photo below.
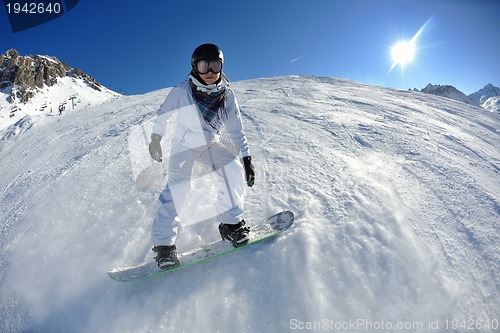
(237, 234)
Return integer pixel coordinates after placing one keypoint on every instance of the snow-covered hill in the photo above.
(397, 202)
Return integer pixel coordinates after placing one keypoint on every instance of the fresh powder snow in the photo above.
(396, 196)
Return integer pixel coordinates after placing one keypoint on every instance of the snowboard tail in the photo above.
(267, 229)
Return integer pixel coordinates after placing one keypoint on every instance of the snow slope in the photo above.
(397, 202)
(46, 101)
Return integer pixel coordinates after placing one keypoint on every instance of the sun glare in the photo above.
(403, 53)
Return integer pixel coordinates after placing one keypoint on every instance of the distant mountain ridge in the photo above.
(488, 97)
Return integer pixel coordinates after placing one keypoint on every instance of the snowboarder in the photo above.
(204, 104)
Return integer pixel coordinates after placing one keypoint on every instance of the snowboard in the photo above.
(271, 227)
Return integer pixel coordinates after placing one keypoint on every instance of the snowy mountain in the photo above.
(396, 196)
(487, 97)
(38, 85)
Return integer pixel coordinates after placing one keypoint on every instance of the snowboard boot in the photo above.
(237, 234)
(166, 256)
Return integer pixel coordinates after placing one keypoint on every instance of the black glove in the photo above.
(249, 171)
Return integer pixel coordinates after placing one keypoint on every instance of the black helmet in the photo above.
(206, 52)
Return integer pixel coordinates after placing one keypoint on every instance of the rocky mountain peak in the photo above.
(486, 92)
(449, 92)
(21, 76)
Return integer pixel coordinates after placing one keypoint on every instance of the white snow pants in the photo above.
(230, 188)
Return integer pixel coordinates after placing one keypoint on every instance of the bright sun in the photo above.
(403, 53)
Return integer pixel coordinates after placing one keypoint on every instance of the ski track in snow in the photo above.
(395, 194)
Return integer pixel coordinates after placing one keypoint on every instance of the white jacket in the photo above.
(191, 130)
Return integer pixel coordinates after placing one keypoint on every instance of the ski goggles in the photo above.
(205, 66)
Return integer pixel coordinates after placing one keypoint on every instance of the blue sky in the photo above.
(138, 46)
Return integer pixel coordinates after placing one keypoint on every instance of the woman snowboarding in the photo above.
(203, 104)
